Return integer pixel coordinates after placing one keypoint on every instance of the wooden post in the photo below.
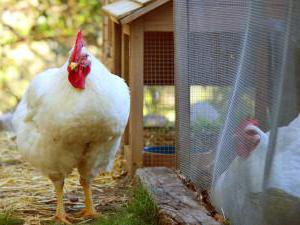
(125, 75)
(117, 41)
(136, 81)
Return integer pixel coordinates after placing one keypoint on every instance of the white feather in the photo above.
(60, 128)
(239, 190)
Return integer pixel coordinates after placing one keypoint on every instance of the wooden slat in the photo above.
(121, 8)
(142, 11)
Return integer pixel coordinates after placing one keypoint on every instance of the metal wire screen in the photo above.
(159, 99)
(237, 105)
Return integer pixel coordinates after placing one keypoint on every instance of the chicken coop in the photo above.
(234, 88)
(139, 45)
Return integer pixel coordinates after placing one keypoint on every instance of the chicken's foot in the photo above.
(60, 215)
(89, 210)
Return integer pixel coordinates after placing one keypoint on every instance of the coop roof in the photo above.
(125, 11)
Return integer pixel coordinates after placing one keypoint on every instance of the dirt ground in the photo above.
(26, 193)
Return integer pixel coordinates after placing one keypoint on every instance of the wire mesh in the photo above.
(237, 95)
(159, 99)
(209, 36)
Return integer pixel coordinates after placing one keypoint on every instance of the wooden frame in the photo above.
(128, 60)
(142, 11)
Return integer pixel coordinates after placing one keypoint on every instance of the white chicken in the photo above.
(73, 117)
(239, 191)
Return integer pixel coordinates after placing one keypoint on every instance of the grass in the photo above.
(226, 222)
(6, 219)
(140, 210)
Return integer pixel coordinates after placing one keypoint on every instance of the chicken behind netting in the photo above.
(239, 191)
(73, 117)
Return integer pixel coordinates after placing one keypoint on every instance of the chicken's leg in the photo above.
(89, 210)
(60, 215)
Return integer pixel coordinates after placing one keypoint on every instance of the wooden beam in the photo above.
(142, 11)
(136, 83)
(176, 204)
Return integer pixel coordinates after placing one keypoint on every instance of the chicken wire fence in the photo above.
(237, 103)
(159, 100)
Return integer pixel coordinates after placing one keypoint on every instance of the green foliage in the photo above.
(226, 222)
(140, 210)
(218, 98)
(36, 35)
(6, 219)
(143, 207)
(160, 101)
(202, 125)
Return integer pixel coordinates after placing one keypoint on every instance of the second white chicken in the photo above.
(239, 192)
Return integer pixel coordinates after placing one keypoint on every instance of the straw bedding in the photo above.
(26, 193)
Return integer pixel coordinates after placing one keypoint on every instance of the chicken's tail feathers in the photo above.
(114, 149)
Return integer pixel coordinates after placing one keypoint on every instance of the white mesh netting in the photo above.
(237, 105)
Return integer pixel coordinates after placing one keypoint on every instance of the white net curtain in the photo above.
(237, 105)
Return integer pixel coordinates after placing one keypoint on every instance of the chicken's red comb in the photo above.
(252, 121)
(77, 48)
(244, 123)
